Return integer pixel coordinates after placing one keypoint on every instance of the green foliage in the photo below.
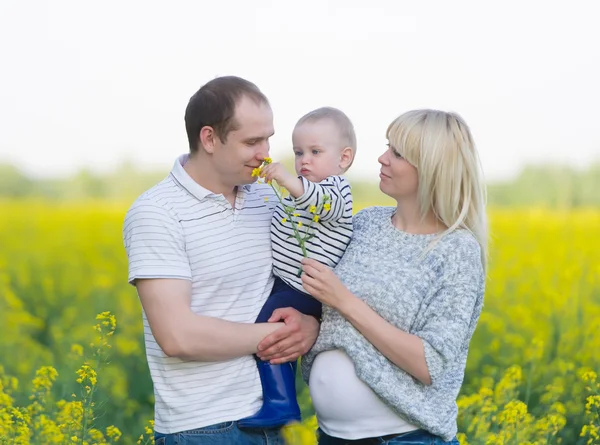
(558, 187)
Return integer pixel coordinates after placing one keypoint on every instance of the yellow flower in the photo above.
(300, 224)
(77, 350)
(283, 220)
(296, 214)
(266, 198)
(327, 207)
(268, 160)
(113, 433)
(256, 172)
(313, 209)
(316, 218)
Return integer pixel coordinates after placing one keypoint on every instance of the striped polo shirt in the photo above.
(331, 234)
(178, 229)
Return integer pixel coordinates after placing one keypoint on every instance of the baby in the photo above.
(324, 148)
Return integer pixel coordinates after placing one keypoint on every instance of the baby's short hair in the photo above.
(339, 118)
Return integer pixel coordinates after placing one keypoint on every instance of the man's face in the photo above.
(247, 146)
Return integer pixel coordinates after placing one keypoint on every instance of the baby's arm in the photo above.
(334, 208)
(291, 183)
(310, 196)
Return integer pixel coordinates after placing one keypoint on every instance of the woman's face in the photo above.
(398, 178)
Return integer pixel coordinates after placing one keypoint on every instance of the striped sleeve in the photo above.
(154, 243)
(336, 187)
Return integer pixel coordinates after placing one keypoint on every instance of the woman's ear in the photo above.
(346, 158)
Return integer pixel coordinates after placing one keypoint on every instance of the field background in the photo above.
(530, 376)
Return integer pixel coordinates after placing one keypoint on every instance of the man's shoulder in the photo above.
(155, 198)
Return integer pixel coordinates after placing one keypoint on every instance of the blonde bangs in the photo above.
(440, 146)
(404, 137)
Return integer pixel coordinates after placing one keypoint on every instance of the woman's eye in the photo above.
(398, 155)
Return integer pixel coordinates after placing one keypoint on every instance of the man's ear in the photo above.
(207, 139)
(346, 158)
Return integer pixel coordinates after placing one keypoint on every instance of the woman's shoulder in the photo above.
(460, 250)
(373, 214)
(461, 239)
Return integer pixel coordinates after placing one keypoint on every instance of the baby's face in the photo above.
(317, 150)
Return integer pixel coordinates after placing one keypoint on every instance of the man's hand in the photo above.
(291, 341)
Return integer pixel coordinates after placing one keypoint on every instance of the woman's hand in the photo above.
(323, 284)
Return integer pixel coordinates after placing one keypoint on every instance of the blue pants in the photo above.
(418, 437)
(226, 433)
(284, 295)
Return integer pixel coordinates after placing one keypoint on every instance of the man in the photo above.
(199, 254)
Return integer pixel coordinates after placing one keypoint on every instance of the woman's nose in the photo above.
(382, 159)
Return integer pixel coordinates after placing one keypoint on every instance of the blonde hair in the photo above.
(341, 121)
(440, 146)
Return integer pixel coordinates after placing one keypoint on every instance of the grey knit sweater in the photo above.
(438, 298)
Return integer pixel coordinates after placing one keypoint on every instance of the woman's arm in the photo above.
(401, 348)
(442, 331)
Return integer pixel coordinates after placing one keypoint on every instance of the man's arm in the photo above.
(181, 333)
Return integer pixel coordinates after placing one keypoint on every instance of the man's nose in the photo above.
(263, 150)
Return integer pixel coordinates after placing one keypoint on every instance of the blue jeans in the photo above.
(418, 437)
(225, 433)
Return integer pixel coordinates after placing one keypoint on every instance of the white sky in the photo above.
(93, 83)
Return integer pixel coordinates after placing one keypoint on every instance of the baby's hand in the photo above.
(277, 172)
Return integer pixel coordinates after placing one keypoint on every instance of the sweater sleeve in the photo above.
(340, 198)
(450, 317)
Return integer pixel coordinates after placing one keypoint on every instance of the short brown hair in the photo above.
(214, 104)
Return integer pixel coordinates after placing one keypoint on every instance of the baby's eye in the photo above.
(315, 152)
(297, 153)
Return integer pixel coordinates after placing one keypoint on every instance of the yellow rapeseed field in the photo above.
(72, 365)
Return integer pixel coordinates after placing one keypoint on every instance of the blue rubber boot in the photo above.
(280, 406)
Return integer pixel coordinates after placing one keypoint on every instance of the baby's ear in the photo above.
(346, 158)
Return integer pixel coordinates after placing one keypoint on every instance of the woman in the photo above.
(401, 308)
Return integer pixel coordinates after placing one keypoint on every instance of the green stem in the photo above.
(297, 234)
(529, 383)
